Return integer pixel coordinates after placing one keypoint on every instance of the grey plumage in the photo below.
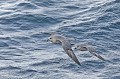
(55, 38)
(85, 47)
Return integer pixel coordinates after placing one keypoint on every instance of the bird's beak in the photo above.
(47, 40)
(75, 48)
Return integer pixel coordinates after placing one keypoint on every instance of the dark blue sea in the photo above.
(25, 26)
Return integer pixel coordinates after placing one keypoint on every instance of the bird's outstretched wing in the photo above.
(71, 54)
(93, 52)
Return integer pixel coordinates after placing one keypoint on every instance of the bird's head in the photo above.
(80, 47)
(53, 39)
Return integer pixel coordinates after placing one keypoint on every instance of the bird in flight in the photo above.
(85, 47)
(66, 45)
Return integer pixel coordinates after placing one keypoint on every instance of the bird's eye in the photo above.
(77, 46)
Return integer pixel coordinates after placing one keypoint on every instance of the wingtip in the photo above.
(101, 58)
(104, 59)
(79, 64)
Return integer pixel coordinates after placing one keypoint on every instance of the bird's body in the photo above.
(66, 45)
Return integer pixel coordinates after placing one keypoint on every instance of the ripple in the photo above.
(115, 25)
(27, 5)
(13, 42)
(28, 71)
(10, 68)
(39, 35)
(44, 3)
(49, 62)
(3, 44)
(94, 64)
(71, 7)
(107, 17)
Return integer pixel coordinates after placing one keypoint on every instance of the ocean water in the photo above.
(25, 26)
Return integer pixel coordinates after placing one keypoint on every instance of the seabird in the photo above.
(85, 47)
(66, 45)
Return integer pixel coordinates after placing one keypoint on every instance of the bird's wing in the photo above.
(72, 55)
(93, 52)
